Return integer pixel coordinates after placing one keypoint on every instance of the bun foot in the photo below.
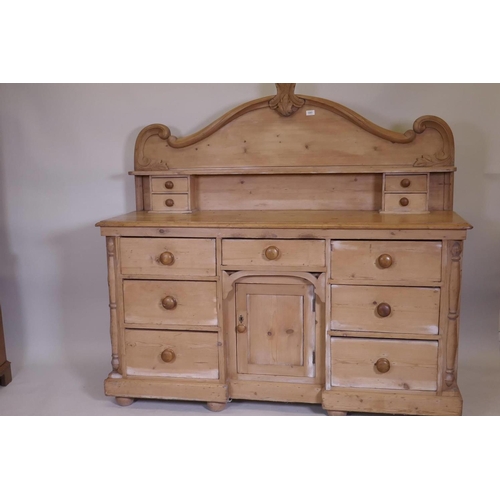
(216, 406)
(124, 401)
(334, 413)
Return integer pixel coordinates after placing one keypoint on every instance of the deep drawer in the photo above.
(385, 309)
(156, 353)
(168, 256)
(386, 261)
(273, 253)
(384, 364)
(170, 302)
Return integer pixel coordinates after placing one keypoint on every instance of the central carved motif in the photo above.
(285, 102)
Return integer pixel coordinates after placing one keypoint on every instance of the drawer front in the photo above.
(384, 364)
(404, 203)
(168, 256)
(273, 253)
(406, 183)
(385, 309)
(156, 353)
(170, 302)
(386, 261)
(169, 184)
(170, 202)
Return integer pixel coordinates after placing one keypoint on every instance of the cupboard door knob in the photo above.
(404, 202)
(272, 253)
(170, 184)
(385, 261)
(169, 202)
(169, 302)
(383, 365)
(168, 355)
(405, 183)
(167, 258)
(383, 310)
(241, 328)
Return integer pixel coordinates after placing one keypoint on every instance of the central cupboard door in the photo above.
(275, 329)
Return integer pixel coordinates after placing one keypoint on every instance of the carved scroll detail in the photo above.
(446, 156)
(285, 102)
(113, 319)
(453, 311)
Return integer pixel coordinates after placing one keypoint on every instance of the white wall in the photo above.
(65, 151)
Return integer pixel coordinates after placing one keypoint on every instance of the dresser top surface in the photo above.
(303, 219)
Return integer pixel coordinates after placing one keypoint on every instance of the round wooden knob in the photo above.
(169, 202)
(405, 183)
(169, 302)
(383, 365)
(167, 258)
(168, 355)
(170, 184)
(241, 328)
(272, 253)
(383, 310)
(404, 202)
(384, 261)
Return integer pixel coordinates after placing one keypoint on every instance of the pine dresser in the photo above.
(290, 251)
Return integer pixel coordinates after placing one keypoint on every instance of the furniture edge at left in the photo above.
(5, 370)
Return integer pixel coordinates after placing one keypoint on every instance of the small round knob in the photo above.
(405, 183)
(167, 258)
(383, 310)
(170, 184)
(169, 202)
(404, 202)
(383, 365)
(272, 253)
(169, 302)
(384, 261)
(241, 328)
(168, 355)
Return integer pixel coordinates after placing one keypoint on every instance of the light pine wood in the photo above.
(454, 286)
(196, 302)
(170, 202)
(405, 203)
(319, 132)
(169, 185)
(289, 192)
(305, 220)
(124, 401)
(195, 257)
(393, 402)
(165, 388)
(403, 364)
(412, 309)
(216, 407)
(386, 261)
(113, 315)
(292, 253)
(275, 329)
(158, 353)
(409, 183)
(275, 391)
(333, 413)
